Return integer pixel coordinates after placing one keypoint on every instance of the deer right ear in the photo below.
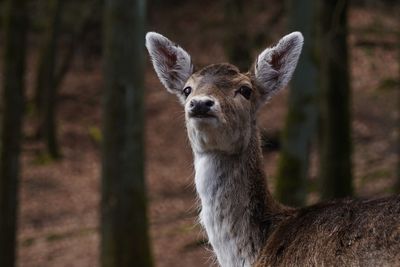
(172, 64)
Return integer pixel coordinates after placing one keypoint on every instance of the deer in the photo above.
(245, 225)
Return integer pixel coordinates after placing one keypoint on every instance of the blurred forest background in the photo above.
(335, 133)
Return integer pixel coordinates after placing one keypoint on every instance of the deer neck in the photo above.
(236, 206)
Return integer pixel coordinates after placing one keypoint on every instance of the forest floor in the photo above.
(59, 200)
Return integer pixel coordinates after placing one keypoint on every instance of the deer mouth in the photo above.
(201, 116)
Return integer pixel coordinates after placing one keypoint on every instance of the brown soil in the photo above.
(59, 200)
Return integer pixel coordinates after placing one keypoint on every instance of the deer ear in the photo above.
(172, 64)
(275, 65)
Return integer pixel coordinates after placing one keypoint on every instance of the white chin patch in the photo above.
(203, 123)
(203, 133)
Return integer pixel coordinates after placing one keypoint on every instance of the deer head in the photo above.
(220, 103)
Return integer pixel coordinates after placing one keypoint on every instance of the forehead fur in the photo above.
(223, 69)
(223, 75)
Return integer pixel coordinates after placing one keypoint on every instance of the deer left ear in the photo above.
(274, 67)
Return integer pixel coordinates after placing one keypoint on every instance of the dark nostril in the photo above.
(192, 103)
(209, 103)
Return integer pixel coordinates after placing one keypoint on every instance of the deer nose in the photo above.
(200, 107)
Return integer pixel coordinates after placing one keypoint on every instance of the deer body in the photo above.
(340, 233)
(244, 224)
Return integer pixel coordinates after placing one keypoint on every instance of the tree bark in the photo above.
(46, 89)
(301, 119)
(335, 98)
(124, 223)
(11, 109)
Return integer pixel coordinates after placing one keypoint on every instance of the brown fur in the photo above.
(340, 233)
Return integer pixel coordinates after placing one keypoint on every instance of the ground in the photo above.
(59, 200)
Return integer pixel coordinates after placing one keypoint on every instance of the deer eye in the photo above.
(244, 91)
(187, 91)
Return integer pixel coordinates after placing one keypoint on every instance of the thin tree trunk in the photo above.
(124, 223)
(237, 43)
(302, 114)
(11, 103)
(397, 189)
(45, 98)
(78, 33)
(335, 117)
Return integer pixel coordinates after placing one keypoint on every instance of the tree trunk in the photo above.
(237, 43)
(398, 115)
(80, 29)
(302, 114)
(124, 223)
(11, 108)
(335, 118)
(46, 95)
